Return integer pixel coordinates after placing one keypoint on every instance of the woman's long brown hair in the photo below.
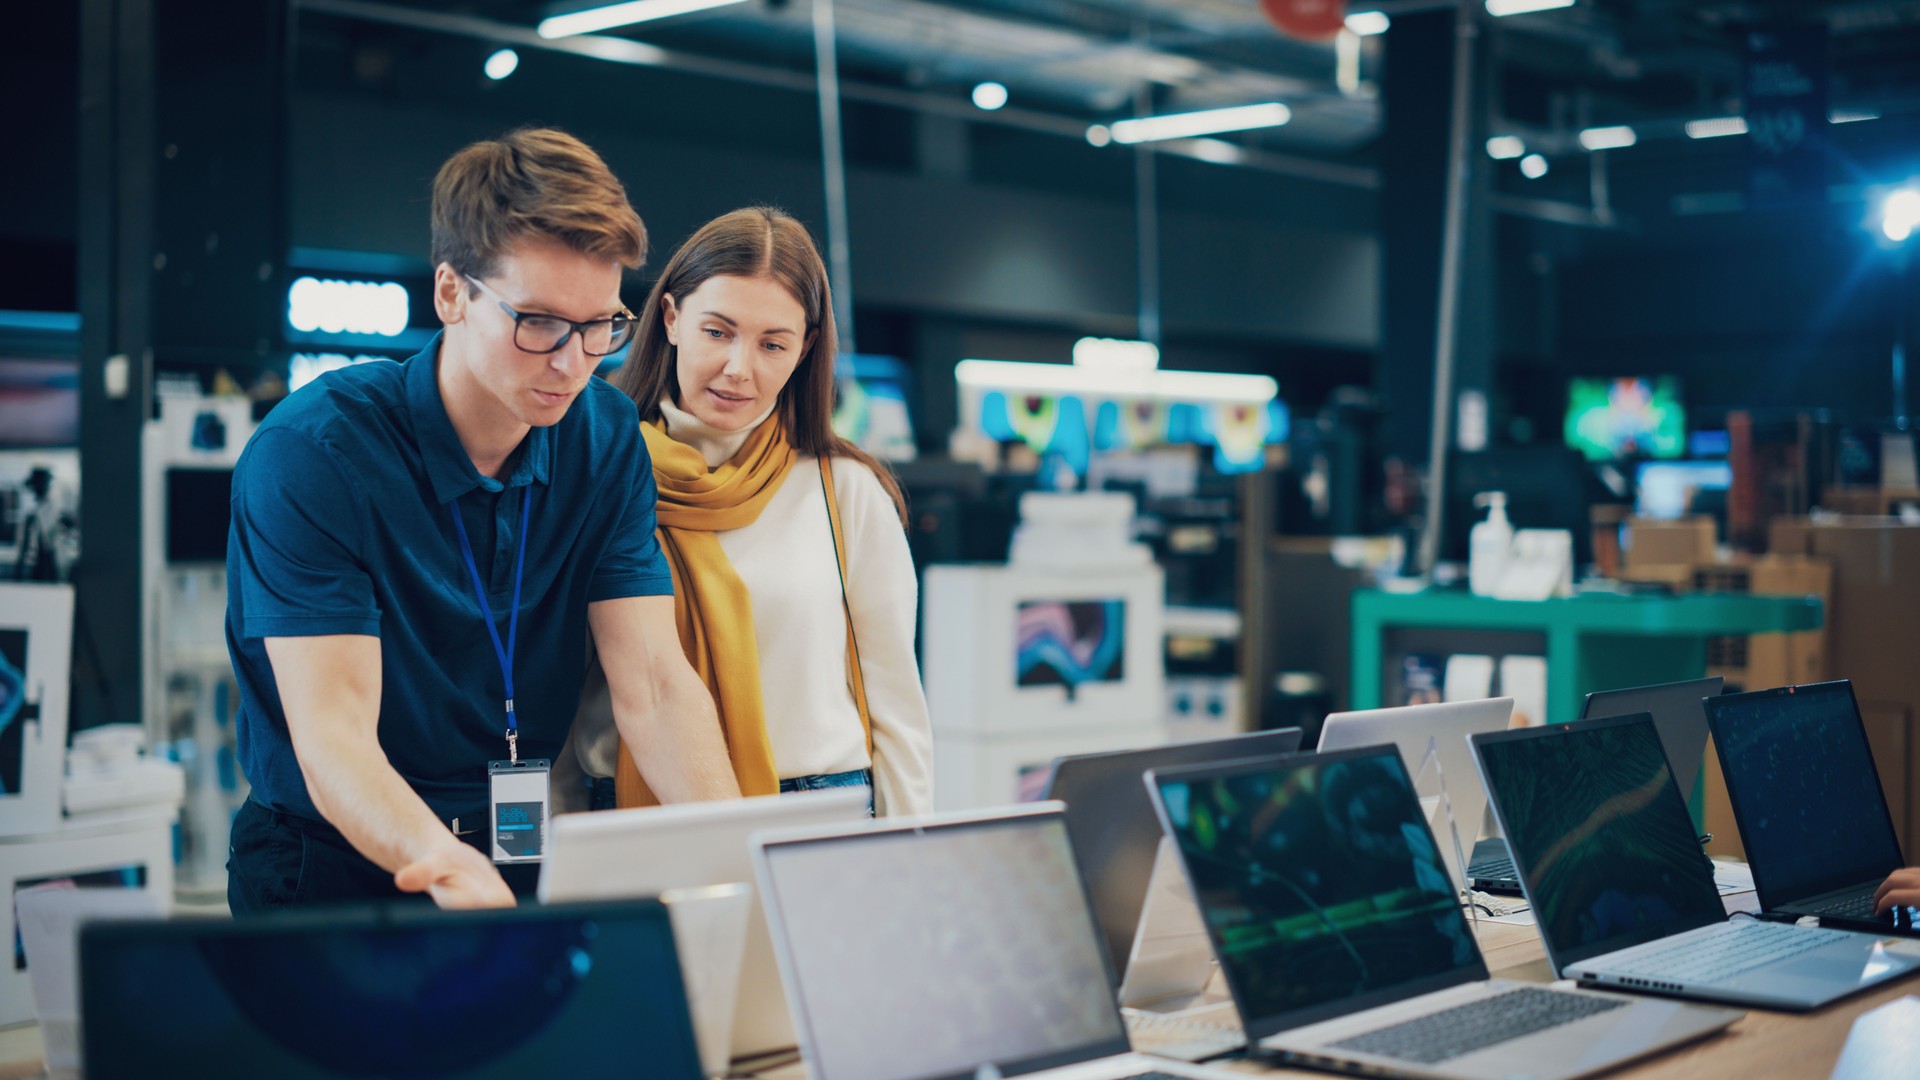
(758, 241)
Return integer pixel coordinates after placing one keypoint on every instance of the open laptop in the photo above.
(403, 990)
(1807, 798)
(1624, 896)
(955, 946)
(1345, 945)
(1111, 823)
(617, 854)
(1433, 742)
(1682, 722)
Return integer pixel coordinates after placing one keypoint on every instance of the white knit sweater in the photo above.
(786, 560)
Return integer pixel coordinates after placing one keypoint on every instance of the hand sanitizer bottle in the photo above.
(1489, 545)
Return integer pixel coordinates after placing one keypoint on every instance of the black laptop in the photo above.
(401, 991)
(1808, 801)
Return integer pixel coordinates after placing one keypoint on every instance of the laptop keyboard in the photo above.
(1738, 948)
(1851, 907)
(1463, 1029)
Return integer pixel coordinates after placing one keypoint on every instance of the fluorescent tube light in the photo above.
(594, 20)
(1716, 127)
(1368, 23)
(1208, 122)
(1524, 7)
(1608, 138)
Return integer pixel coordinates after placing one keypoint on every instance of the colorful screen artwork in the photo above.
(1609, 419)
(1070, 642)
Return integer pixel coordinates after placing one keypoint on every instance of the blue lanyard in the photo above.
(504, 654)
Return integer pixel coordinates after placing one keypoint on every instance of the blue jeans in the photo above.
(855, 778)
(603, 798)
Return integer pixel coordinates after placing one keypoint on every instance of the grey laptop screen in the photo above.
(1804, 789)
(928, 952)
(1110, 819)
(1599, 834)
(1320, 884)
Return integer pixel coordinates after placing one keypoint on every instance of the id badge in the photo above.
(519, 797)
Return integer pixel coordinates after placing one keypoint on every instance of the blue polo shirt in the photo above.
(341, 525)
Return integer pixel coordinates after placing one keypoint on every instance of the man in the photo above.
(419, 552)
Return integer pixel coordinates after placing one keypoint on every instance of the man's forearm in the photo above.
(357, 790)
(676, 742)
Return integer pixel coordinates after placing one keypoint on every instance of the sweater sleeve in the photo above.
(884, 596)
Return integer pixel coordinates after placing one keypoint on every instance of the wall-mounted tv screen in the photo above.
(1634, 417)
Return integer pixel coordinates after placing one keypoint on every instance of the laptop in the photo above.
(961, 945)
(401, 990)
(1623, 895)
(616, 854)
(1682, 723)
(1345, 945)
(1433, 742)
(1807, 797)
(1111, 823)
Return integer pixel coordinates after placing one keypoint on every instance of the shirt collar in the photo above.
(448, 467)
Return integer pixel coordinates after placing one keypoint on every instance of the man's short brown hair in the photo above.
(534, 182)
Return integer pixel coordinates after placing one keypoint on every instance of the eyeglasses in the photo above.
(543, 334)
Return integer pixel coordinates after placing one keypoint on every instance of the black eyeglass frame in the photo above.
(626, 321)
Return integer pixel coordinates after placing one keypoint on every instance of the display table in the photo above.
(1591, 642)
(1760, 1044)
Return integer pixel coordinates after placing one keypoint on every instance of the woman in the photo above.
(794, 590)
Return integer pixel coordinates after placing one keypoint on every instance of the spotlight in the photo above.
(1099, 135)
(989, 95)
(1900, 214)
(502, 64)
(1502, 147)
(1533, 166)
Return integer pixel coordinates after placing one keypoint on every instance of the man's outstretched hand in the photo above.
(456, 876)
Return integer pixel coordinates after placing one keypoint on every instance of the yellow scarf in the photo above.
(711, 603)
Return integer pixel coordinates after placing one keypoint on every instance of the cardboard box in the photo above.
(1870, 639)
(1896, 753)
(1761, 661)
(1651, 542)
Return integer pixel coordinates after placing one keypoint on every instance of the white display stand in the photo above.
(119, 846)
(36, 647)
(990, 733)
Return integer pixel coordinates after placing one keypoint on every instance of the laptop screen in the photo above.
(1677, 714)
(1804, 790)
(1598, 831)
(1320, 884)
(929, 951)
(359, 992)
(1110, 820)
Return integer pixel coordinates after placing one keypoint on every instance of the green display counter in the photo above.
(1595, 641)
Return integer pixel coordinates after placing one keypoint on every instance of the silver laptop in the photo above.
(1110, 820)
(1433, 742)
(1345, 946)
(953, 946)
(1679, 714)
(644, 852)
(1624, 895)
